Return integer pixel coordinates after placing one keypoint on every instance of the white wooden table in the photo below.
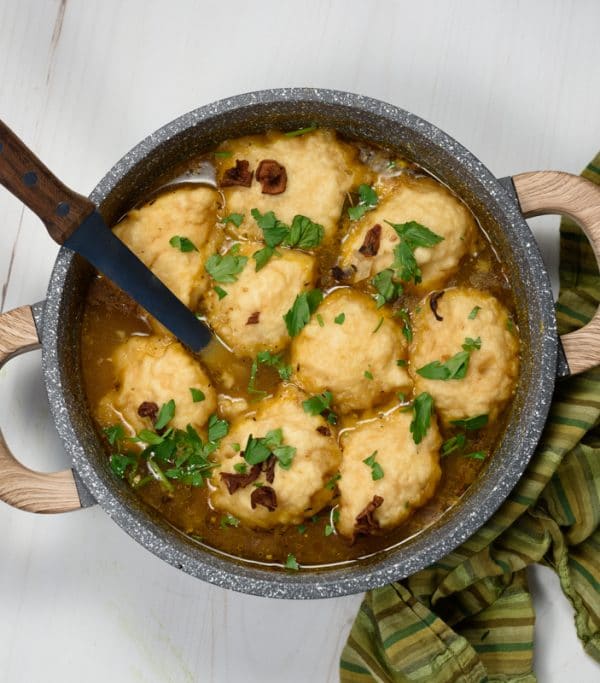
(82, 82)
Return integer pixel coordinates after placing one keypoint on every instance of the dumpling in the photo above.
(250, 317)
(152, 371)
(319, 168)
(398, 477)
(351, 349)
(284, 496)
(404, 199)
(188, 212)
(493, 367)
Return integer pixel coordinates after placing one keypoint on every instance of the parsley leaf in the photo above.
(315, 405)
(473, 314)
(422, 409)
(402, 313)
(332, 483)
(165, 415)
(405, 263)
(223, 154)
(274, 360)
(304, 234)
(229, 520)
(240, 467)
(182, 243)
(339, 319)
(367, 200)
(235, 218)
(453, 444)
(114, 433)
(376, 469)
(416, 235)
(299, 314)
(262, 257)
(320, 320)
(387, 288)
(476, 455)
(472, 344)
(217, 428)
(221, 293)
(256, 451)
(225, 268)
(197, 395)
(120, 462)
(368, 374)
(260, 449)
(291, 563)
(471, 423)
(274, 231)
(378, 326)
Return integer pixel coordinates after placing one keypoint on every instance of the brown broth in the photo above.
(110, 317)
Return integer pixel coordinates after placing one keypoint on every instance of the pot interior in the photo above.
(160, 157)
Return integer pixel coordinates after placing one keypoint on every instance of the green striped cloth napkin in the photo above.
(469, 618)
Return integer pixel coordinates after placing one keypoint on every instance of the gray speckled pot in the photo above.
(159, 157)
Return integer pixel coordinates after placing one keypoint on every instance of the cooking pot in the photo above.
(499, 205)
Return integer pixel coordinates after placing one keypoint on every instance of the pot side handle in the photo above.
(555, 192)
(19, 486)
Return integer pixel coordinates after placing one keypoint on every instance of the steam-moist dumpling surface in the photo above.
(355, 360)
(156, 370)
(493, 369)
(411, 472)
(300, 490)
(427, 202)
(250, 317)
(320, 170)
(186, 212)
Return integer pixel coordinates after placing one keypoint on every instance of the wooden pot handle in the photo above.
(555, 192)
(23, 174)
(19, 486)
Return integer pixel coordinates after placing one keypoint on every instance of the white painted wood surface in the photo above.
(83, 81)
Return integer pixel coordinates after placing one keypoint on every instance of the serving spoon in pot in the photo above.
(74, 222)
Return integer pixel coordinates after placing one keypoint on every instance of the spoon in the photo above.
(74, 222)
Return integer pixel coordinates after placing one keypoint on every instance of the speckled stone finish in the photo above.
(159, 157)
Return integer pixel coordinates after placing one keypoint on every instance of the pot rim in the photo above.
(456, 525)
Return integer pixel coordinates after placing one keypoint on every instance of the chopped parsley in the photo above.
(476, 455)
(223, 154)
(114, 433)
(236, 447)
(321, 405)
(273, 360)
(368, 374)
(303, 234)
(377, 327)
(172, 454)
(182, 243)
(235, 218)
(402, 313)
(258, 450)
(226, 267)
(387, 288)
(510, 326)
(334, 518)
(455, 367)
(320, 320)
(221, 293)
(291, 563)
(229, 520)
(339, 319)
(332, 483)
(240, 467)
(471, 423)
(401, 362)
(197, 395)
(367, 200)
(299, 314)
(455, 443)
(301, 131)
(165, 415)
(423, 410)
(301, 528)
(412, 235)
(474, 312)
(376, 469)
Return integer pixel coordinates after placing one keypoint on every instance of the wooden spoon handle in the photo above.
(23, 174)
(19, 486)
(545, 192)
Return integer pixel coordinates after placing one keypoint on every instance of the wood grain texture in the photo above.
(555, 192)
(82, 82)
(21, 172)
(19, 486)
